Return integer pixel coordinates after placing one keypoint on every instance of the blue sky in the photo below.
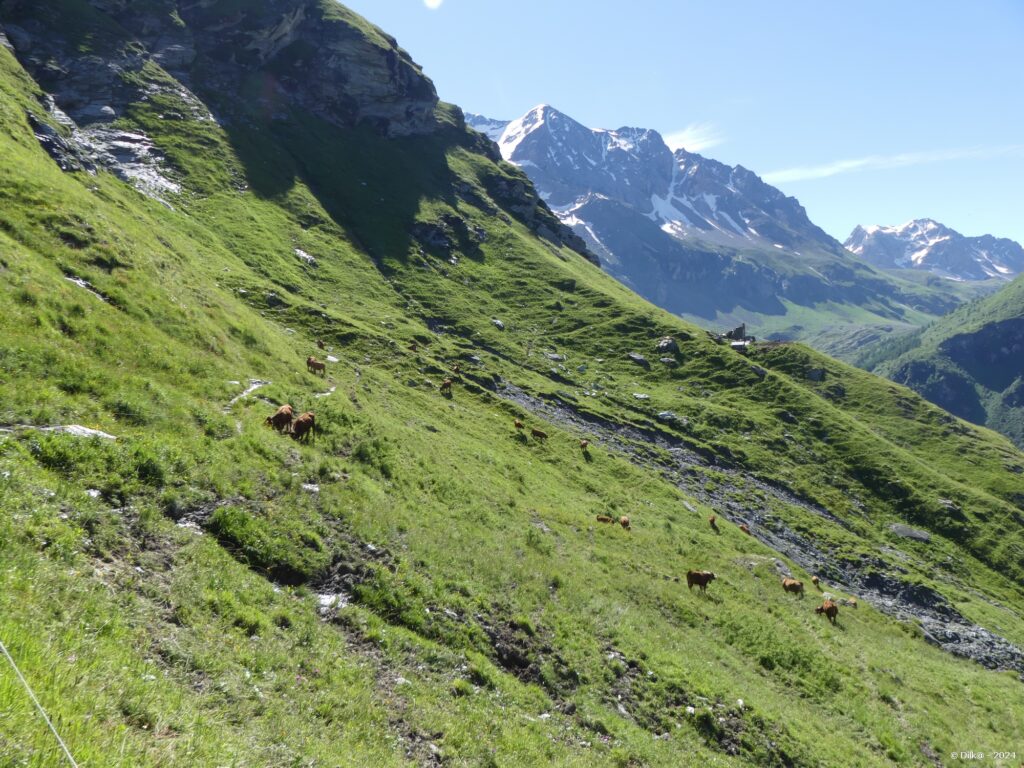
(868, 112)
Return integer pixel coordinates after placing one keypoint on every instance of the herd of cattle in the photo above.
(302, 427)
(829, 607)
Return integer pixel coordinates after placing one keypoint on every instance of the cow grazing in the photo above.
(282, 418)
(584, 445)
(320, 343)
(446, 387)
(315, 366)
(624, 522)
(605, 519)
(518, 425)
(539, 434)
(816, 581)
(700, 578)
(712, 521)
(456, 368)
(830, 609)
(794, 586)
(745, 529)
(304, 426)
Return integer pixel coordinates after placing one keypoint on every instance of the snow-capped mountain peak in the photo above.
(931, 246)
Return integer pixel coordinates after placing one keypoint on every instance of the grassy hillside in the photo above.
(970, 362)
(420, 584)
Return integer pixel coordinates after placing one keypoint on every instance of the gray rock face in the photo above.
(323, 60)
(927, 245)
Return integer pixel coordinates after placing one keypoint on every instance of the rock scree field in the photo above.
(192, 196)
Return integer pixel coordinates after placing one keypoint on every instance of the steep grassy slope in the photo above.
(420, 584)
(971, 363)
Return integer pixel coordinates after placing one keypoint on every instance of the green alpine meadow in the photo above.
(479, 554)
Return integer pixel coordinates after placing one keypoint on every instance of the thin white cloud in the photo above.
(433, 4)
(695, 137)
(882, 162)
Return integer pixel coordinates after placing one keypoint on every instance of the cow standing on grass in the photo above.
(793, 586)
(282, 418)
(830, 609)
(304, 426)
(700, 578)
(315, 366)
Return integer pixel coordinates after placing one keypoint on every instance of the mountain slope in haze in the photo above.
(971, 362)
(924, 244)
(420, 583)
(710, 242)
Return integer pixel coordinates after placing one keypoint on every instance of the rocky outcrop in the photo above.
(315, 56)
(303, 52)
(521, 199)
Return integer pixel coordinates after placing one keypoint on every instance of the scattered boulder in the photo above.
(639, 359)
(556, 357)
(641, 396)
(666, 344)
(787, 417)
(758, 371)
(671, 362)
(498, 324)
(669, 417)
(76, 430)
(815, 374)
(910, 533)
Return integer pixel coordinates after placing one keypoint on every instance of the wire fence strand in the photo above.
(32, 695)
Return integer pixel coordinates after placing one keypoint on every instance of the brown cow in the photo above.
(745, 529)
(584, 445)
(700, 578)
(713, 524)
(303, 427)
(320, 343)
(282, 418)
(539, 434)
(605, 519)
(518, 425)
(794, 586)
(446, 387)
(816, 582)
(624, 522)
(315, 366)
(830, 609)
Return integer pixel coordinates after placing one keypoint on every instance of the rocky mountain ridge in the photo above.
(703, 239)
(927, 245)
